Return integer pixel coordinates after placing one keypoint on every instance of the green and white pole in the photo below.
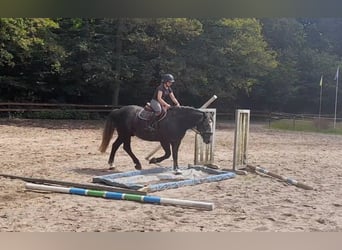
(123, 196)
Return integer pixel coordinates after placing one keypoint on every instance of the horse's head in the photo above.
(204, 128)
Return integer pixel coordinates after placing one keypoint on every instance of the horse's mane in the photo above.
(173, 108)
(183, 111)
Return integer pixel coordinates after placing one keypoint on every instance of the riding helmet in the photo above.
(168, 78)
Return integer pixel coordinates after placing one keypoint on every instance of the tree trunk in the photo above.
(116, 92)
(117, 82)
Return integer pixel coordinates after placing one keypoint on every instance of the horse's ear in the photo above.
(208, 115)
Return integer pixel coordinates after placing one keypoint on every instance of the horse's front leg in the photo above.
(128, 149)
(115, 147)
(175, 146)
(167, 154)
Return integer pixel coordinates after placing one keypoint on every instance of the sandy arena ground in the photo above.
(68, 151)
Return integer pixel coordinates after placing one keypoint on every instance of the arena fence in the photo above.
(85, 111)
(54, 111)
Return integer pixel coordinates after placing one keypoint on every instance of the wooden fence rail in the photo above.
(11, 107)
(41, 107)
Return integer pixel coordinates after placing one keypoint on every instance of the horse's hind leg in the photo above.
(128, 149)
(115, 147)
(167, 150)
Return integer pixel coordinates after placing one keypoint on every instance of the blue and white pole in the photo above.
(123, 196)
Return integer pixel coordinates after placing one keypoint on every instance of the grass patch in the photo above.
(322, 126)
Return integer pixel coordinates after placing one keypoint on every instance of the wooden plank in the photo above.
(73, 184)
(49, 107)
(51, 110)
(57, 105)
(280, 177)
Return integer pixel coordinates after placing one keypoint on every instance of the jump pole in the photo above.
(123, 196)
(280, 177)
(74, 184)
(205, 105)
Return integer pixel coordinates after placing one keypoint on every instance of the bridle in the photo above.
(203, 133)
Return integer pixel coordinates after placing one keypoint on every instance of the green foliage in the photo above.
(30, 58)
(272, 64)
(18, 37)
(304, 54)
(228, 57)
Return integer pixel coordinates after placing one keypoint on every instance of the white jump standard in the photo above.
(242, 119)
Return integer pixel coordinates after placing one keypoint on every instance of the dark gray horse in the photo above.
(131, 121)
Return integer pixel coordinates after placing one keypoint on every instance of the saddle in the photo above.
(147, 113)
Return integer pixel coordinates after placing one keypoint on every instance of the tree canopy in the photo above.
(271, 64)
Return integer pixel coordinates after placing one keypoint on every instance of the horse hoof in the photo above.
(177, 172)
(153, 161)
(138, 167)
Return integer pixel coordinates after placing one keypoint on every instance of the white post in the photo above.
(242, 119)
(320, 102)
(336, 95)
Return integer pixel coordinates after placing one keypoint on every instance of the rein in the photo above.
(204, 132)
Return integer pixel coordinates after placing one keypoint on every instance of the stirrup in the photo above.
(150, 128)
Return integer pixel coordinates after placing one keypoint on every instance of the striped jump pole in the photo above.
(280, 177)
(123, 196)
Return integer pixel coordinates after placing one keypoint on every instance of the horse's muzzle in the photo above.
(207, 137)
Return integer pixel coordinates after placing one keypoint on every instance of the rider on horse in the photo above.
(158, 103)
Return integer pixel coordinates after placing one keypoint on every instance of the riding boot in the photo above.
(153, 122)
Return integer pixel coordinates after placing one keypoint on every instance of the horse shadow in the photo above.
(95, 171)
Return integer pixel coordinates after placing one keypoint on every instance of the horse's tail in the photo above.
(108, 131)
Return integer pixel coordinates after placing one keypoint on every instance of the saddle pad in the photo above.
(145, 115)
